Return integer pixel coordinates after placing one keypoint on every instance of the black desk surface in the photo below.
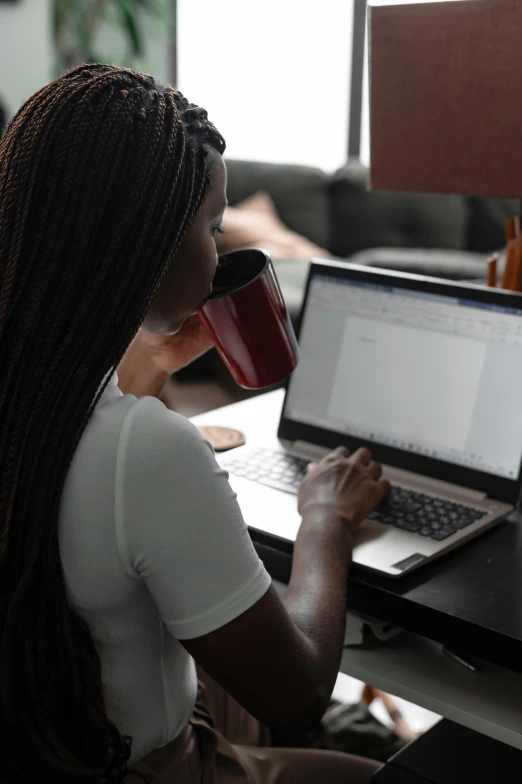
(470, 600)
(451, 754)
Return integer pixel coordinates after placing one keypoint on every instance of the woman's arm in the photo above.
(280, 659)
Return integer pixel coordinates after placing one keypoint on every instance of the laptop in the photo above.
(424, 372)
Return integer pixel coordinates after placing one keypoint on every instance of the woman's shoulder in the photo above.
(139, 431)
(151, 432)
(150, 417)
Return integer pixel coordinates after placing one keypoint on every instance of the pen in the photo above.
(509, 275)
(458, 659)
(512, 277)
(492, 270)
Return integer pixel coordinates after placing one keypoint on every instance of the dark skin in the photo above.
(289, 647)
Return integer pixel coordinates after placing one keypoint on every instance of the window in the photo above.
(274, 75)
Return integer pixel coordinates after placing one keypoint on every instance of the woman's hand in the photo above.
(350, 486)
(298, 646)
(173, 352)
(151, 358)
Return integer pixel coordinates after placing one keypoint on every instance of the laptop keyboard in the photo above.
(407, 509)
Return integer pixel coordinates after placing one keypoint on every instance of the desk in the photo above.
(470, 600)
(451, 754)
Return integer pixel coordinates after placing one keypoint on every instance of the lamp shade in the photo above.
(446, 97)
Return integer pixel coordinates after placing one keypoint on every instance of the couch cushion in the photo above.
(486, 222)
(452, 264)
(254, 223)
(298, 192)
(366, 219)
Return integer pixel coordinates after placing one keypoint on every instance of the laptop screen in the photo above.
(433, 375)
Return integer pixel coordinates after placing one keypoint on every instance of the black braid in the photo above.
(101, 174)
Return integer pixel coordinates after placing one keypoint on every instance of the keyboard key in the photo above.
(462, 523)
(443, 534)
(439, 535)
(276, 485)
(406, 526)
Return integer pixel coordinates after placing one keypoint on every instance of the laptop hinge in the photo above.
(460, 492)
(307, 450)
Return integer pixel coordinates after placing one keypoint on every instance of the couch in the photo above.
(441, 235)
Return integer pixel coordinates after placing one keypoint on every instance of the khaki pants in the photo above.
(223, 744)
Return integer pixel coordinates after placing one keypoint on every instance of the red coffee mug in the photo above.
(248, 320)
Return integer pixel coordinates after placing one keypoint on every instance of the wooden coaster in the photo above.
(222, 438)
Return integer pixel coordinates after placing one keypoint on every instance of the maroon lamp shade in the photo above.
(446, 97)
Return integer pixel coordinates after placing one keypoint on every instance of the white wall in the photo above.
(26, 55)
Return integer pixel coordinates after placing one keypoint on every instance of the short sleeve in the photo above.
(179, 526)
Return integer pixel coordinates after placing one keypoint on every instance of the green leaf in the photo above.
(158, 7)
(148, 5)
(82, 30)
(128, 16)
(61, 11)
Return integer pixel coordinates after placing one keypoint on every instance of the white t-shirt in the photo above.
(154, 550)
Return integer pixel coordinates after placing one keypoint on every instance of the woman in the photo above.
(124, 559)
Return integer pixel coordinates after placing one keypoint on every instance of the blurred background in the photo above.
(286, 82)
(276, 77)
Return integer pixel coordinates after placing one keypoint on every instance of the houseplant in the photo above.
(80, 29)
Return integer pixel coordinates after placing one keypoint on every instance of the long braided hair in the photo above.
(101, 174)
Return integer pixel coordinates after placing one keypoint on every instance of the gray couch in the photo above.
(444, 236)
(339, 212)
